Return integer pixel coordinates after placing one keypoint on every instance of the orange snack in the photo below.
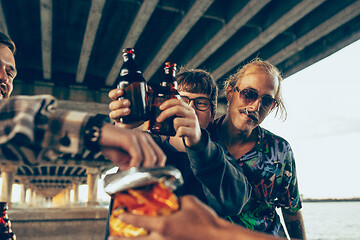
(141, 191)
(153, 200)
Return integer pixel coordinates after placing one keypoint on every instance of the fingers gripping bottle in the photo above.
(135, 89)
(167, 90)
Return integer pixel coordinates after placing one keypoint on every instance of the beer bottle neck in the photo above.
(129, 66)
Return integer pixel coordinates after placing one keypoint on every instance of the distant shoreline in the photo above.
(331, 199)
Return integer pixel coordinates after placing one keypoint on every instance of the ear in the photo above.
(229, 93)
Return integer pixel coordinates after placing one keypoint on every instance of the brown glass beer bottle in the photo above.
(166, 90)
(135, 89)
(5, 225)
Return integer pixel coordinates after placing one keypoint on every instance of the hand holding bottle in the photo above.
(186, 123)
(167, 89)
(120, 108)
(134, 89)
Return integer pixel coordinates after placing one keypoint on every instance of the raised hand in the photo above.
(120, 108)
(186, 123)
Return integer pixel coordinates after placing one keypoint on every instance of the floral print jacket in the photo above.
(270, 170)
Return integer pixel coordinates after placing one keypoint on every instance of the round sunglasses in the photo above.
(250, 96)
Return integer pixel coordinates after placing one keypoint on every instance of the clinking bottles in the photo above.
(135, 89)
(5, 225)
(166, 90)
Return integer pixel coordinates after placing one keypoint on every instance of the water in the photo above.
(332, 220)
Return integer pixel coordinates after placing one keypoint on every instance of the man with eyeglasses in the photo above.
(267, 160)
(212, 182)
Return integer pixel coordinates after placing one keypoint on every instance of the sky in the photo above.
(322, 127)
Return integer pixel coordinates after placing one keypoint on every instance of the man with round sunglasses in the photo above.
(267, 160)
(213, 183)
(250, 95)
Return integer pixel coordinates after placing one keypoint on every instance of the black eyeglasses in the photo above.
(201, 103)
(250, 96)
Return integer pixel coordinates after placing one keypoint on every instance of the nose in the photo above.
(256, 105)
(3, 76)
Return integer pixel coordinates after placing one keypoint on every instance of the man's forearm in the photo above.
(295, 224)
(296, 230)
(219, 178)
(33, 129)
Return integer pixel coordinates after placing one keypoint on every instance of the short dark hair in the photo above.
(198, 81)
(6, 40)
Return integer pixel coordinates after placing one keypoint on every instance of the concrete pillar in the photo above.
(75, 188)
(67, 196)
(93, 174)
(61, 199)
(37, 200)
(29, 197)
(8, 177)
(34, 198)
(23, 189)
(40, 200)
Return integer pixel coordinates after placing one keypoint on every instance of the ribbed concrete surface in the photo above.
(59, 223)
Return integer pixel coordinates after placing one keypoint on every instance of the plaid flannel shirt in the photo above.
(32, 129)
